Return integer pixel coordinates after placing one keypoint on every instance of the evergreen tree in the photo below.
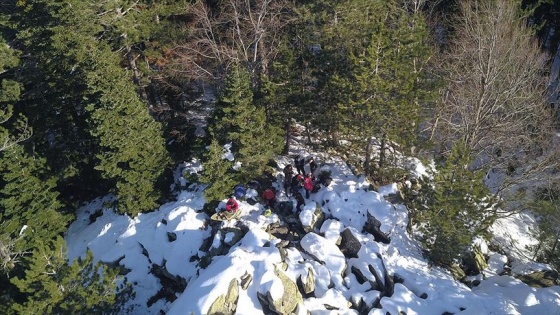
(133, 152)
(237, 119)
(387, 84)
(546, 206)
(217, 173)
(55, 287)
(82, 93)
(30, 209)
(13, 129)
(455, 208)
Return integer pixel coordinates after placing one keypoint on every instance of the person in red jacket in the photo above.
(232, 206)
(269, 197)
(308, 184)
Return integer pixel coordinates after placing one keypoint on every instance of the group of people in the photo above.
(293, 183)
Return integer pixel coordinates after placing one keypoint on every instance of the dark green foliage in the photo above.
(217, 173)
(546, 206)
(87, 113)
(133, 152)
(387, 84)
(239, 121)
(55, 287)
(453, 208)
(28, 197)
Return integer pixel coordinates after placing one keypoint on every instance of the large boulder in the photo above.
(226, 304)
(349, 244)
(289, 301)
(312, 218)
(474, 262)
(373, 227)
(540, 279)
(307, 284)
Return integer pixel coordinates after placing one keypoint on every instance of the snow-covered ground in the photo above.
(145, 240)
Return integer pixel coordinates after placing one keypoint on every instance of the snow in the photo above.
(144, 240)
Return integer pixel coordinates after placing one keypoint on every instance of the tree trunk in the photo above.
(287, 126)
(382, 157)
(135, 73)
(367, 161)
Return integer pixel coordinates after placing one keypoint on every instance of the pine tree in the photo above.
(30, 209)
(133, 152)
(53, 286)
(237, 119)
(546, 206)
(387, 83)
(87, 111)
(217, 173)
(458, 209)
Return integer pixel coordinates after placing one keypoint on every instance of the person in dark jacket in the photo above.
(288, 174)
(312, 166)
(299, 161)
(299, 200)
(297, 183)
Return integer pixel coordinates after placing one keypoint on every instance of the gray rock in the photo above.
(540, 279)
(318, 219)
(349, 244)
(171, 237)
(226, 304)
(237, 235)
(307, 287)
(373, 227)
(290, 299)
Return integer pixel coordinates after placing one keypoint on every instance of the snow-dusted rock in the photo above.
(226, 304)
(311, 217)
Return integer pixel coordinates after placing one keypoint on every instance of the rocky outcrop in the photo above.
(226, 304)
(289, 301)
(349, 244)
(373, 227)
(170, 284)
(307, 285)
(540, 279)
(316, 219)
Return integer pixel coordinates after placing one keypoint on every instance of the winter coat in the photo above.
(288, 170)
(312, 166)
(308, 183)
(232, 205)
(269, 194)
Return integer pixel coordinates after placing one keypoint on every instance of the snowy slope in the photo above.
(341, 283)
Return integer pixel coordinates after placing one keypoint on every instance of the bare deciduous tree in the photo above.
(495, 97)
(234, 31)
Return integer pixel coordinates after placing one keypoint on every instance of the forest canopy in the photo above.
(105, 97)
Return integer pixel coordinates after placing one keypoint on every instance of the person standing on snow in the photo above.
(288, 174)
(296, 184)
(312, 166)
(299, 161)
(308, 185)
(299, 200)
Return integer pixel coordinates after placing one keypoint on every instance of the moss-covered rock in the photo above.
(226, 304)
(540, 279)
(290, 298)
